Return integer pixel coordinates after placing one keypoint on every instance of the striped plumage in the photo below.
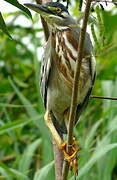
(58, 73)
(58, 67)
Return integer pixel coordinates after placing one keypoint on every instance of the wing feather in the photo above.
(45, 71)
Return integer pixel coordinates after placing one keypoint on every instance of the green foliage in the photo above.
(25, 146)
(3, 26)
(15, 3)
(20, 6)
(43, 173)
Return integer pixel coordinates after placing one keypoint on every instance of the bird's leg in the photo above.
(71, 158)
(49, 123)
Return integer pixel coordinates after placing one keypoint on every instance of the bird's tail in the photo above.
(61, 129)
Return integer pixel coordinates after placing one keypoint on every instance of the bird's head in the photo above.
(54, 13)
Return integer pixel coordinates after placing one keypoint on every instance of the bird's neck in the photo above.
(55, 29)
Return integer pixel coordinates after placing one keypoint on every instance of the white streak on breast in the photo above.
(59, 50)
(67, 43)
(57, 44)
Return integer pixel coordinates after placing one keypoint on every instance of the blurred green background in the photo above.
(25, 142)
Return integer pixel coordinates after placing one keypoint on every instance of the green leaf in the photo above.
(91, 134)
(99, 152)
(31, 111)
(107, 91)
(18, 175)
(43, 173)
(20, 6)
(4, 173)
(15, 124)
(24, 163)
(105, 171)
(13, 173)
(112, 124)
(3, 26)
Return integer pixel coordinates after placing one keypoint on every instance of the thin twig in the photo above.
(8, 158)
(103, 97)
(103, 1)
(58, 156)
(76, 84)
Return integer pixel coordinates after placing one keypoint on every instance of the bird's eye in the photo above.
(58, 10)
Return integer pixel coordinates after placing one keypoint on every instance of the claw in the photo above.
(72, 158)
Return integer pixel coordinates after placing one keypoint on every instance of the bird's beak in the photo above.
(41, 9)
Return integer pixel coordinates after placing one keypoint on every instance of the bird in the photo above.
(58, 68)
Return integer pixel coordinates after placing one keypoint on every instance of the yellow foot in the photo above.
(72, 157)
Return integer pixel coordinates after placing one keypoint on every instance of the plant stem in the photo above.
(103, 97)
(58, 156)
(76, 84)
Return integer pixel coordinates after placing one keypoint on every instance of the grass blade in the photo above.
(31, 111)
(91, 134)
(43, 173)
(20, 6)
(13, 173)
(15, 124)
(27, 156)
(3, 26)
(99, 152)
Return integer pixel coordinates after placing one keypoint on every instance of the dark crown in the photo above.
(57, 5)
